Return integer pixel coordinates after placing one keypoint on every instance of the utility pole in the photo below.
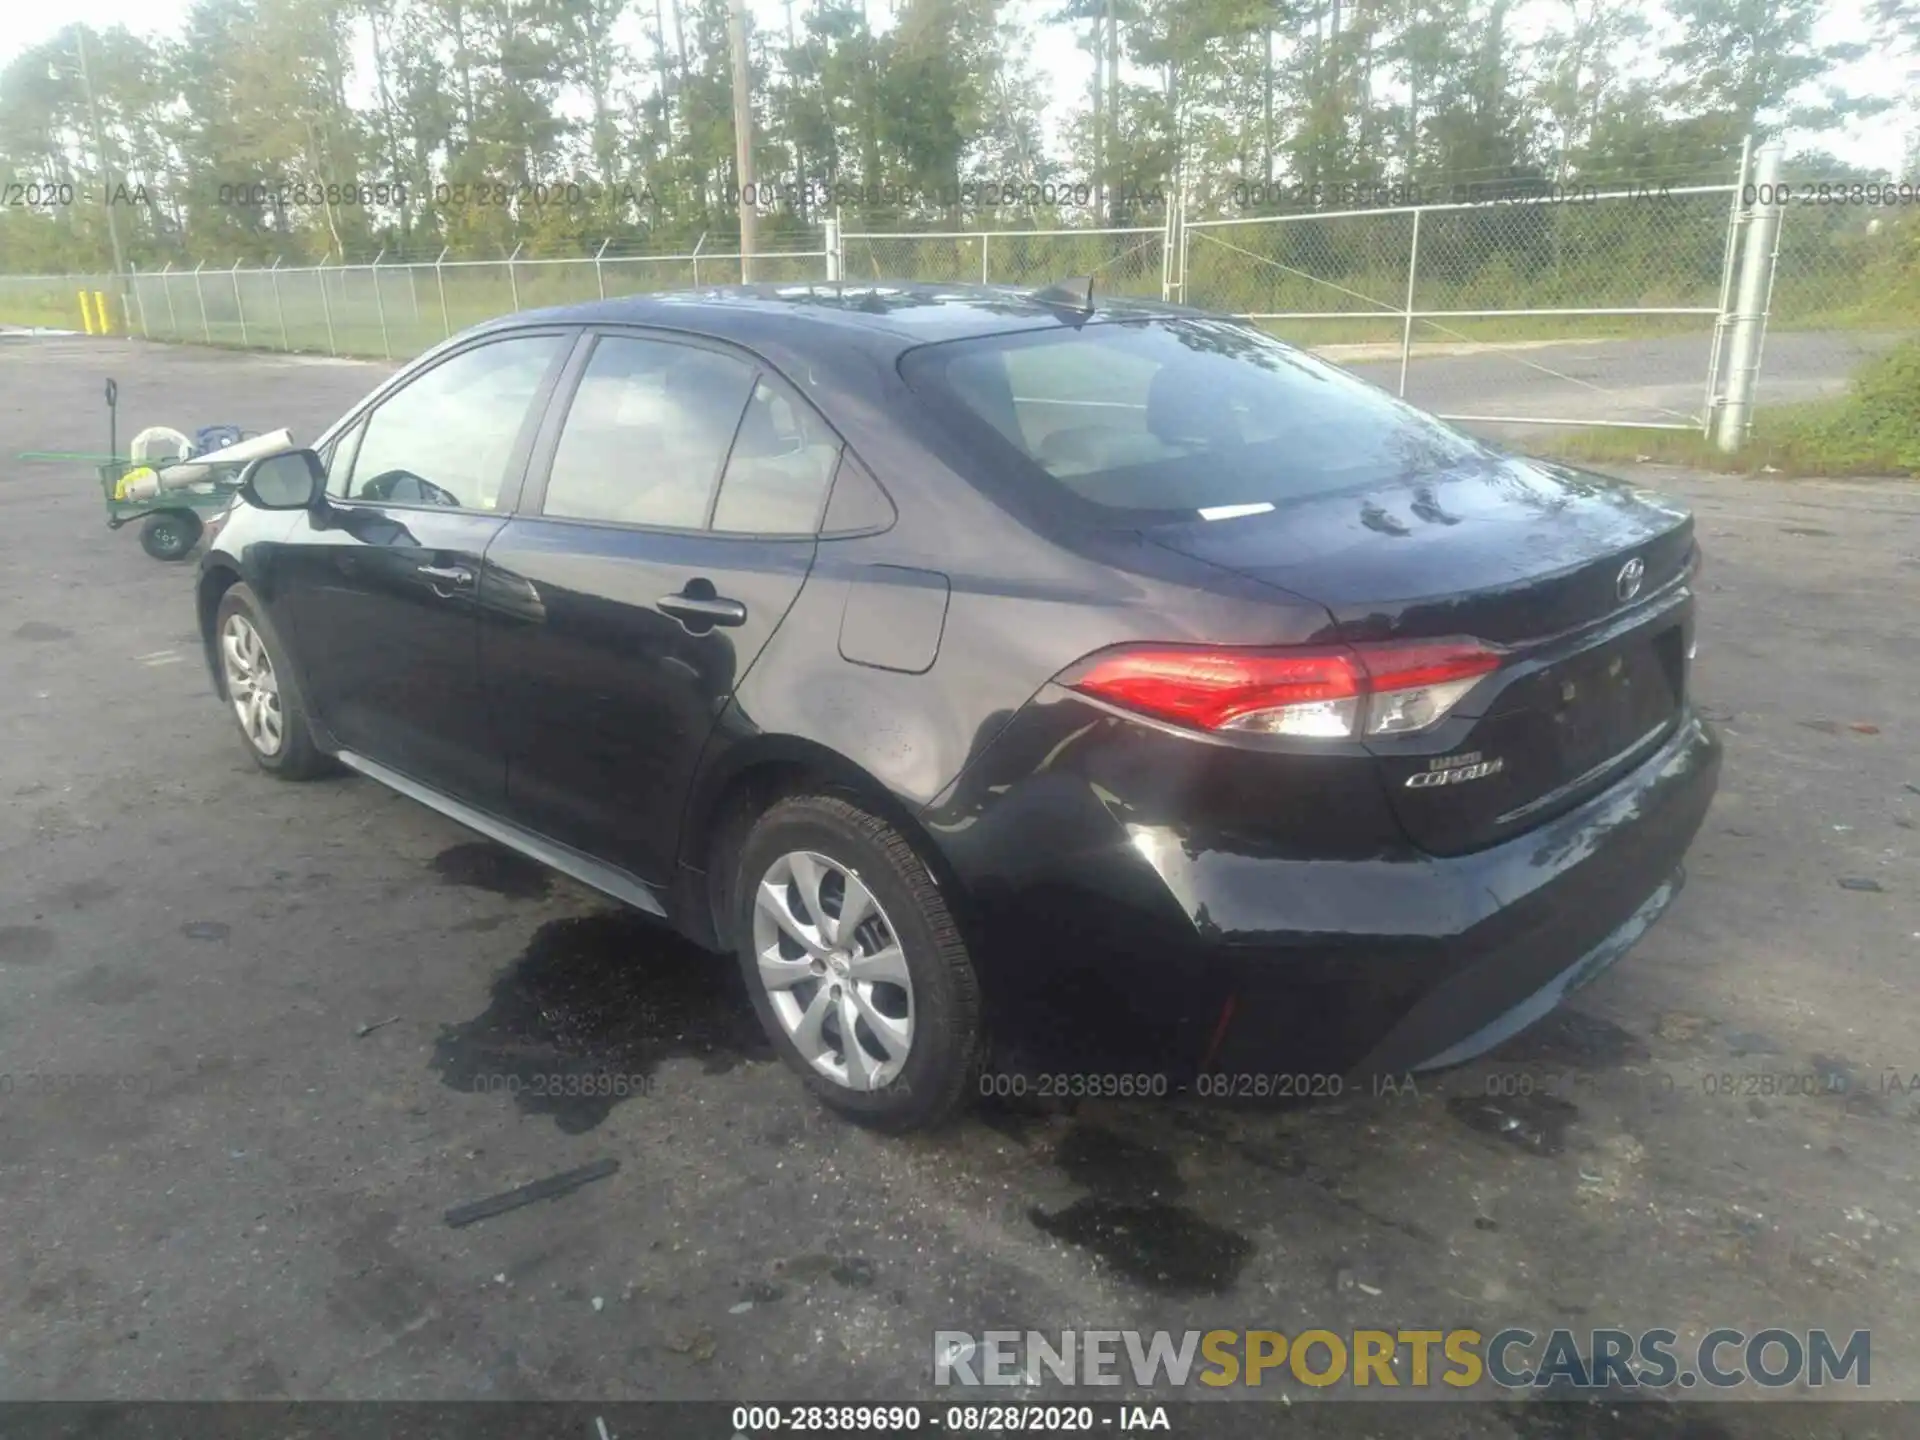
(100, 148)
(743, 134)
(1111, 151)
(1099, 117)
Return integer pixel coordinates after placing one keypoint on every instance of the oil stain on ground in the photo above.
(1130, 1222)
(580, 1021)
(482, 865)
(1536, 1124)
(1573, 1037)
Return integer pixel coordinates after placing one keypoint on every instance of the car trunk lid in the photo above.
(1574, 576)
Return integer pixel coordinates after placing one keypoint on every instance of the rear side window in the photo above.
(782, 463)
(647, 433)
(1181, 414)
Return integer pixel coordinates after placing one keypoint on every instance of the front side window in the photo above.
(339, 459)
(1182, 415)
(448, 437)
(647, 433)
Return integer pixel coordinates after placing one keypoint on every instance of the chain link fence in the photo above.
(1490, 280)
(1586, 309)
(1846, 264)
(1129, 261)
(394, 311)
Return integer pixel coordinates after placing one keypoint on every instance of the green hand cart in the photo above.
(173, 520)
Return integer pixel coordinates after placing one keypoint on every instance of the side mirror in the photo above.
(291, 480)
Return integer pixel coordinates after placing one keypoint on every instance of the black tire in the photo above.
(170, 534)
(946, 1050)
(296, 757)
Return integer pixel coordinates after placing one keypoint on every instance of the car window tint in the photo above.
(647, 433)
(1181, 415)
(447, 437)
(1077, 406)
(782, 463)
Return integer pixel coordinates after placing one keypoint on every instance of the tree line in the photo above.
(311, 129)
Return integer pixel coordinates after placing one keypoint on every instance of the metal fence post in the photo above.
(834, 270)
(440, 280)
(200, 294)
(326, 305)
(166, 284)
(983, 260)
(599, 275)
(1186, 244)
(279, 306)
(1750, 320)
(1728, 258)
(1174, 246)
(1166, 250)
(380, 304)
(513, 280)
(696, 256)
(1406, 329)
(239, 304)
(133, 285)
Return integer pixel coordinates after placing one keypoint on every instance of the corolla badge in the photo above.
(1455, 770)
(1627, 583)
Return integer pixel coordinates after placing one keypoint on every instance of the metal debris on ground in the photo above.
(1860, 882)
(551, 1188)
(366, 1030)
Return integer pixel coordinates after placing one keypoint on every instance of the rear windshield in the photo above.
(1184, 415)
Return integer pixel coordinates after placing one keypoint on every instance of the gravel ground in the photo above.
(214, 1184)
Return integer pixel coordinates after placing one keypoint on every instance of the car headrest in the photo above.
(759, 435)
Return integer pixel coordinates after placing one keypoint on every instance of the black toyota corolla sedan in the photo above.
(971, 663)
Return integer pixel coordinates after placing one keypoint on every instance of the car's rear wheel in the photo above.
(265, 704)
(855, 965)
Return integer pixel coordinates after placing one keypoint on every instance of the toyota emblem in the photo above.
(1627, 582)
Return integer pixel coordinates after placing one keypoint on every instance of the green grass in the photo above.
(1873, 429)
(54, 303)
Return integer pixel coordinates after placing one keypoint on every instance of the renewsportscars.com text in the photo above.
(1455, 1359)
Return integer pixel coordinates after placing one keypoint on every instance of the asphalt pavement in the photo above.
(256, 1039)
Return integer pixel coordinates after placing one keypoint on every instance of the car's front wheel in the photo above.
(855, 964)
(267, 707)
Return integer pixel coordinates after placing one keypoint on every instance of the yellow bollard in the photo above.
(100, 310)
(86, 315)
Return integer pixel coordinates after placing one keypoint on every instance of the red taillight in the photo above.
(1330, 693)
(1210, 689)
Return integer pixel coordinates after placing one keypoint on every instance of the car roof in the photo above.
(905, 313)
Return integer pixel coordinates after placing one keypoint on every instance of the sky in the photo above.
(1877, 142)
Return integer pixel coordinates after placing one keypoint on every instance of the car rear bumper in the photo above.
(1148, 948)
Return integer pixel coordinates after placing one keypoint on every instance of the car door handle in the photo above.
(458, 575)
(704, 609)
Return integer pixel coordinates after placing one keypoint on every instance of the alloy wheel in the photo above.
(251, 684)
(832, 966)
